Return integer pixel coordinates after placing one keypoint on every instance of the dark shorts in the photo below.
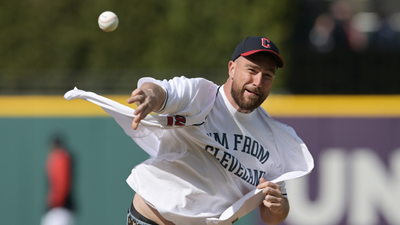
(135, 218)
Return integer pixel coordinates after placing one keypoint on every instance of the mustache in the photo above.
(255, 90)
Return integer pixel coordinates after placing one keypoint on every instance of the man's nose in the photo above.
(257, 79)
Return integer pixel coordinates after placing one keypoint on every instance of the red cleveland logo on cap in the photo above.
(265, 42)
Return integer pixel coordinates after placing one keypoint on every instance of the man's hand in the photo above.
(149, 98)
(275, 207)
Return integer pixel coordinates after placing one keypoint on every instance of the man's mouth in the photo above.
(253, 92)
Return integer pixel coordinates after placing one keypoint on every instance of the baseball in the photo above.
(108, 21)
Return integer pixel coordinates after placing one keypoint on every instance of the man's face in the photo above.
(252, 78)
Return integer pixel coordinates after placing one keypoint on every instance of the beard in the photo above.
(250, 103)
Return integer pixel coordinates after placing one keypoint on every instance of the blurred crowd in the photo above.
(342, 27)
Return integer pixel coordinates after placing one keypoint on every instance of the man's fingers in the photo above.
(272, 191)
(264, 184)
(136, 96)
(141, 112)
(135, 125)
(273, 199)
(274, 207)
(138, 99)
(136, 120)
(145, 101)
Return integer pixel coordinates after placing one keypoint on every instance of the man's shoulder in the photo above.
(199, 79)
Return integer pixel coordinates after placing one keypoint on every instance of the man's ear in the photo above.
(231, 68)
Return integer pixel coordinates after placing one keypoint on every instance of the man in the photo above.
(59, 197)
(202, 169)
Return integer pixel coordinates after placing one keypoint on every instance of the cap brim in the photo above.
(278, 59)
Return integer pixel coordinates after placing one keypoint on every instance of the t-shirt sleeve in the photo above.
(184, 96)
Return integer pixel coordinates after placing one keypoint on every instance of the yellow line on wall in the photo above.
(333, 106)
(52, 106)
(276, 105)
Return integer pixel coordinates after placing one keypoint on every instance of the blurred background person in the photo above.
(385, 38)
(60, 206)
(336, 30)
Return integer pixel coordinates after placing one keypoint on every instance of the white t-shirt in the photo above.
(199, 171)
(205, 155)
